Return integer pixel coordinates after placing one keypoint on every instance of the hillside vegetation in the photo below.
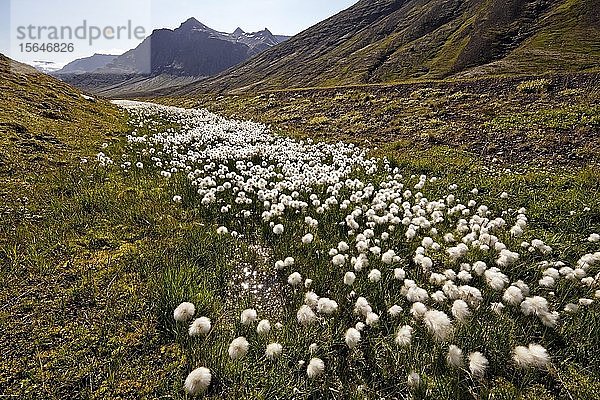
(404, 40)
(552, 121)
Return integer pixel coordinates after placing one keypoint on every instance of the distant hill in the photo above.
(87, 65)
(45, 123)
(378, 41)
(192, 50)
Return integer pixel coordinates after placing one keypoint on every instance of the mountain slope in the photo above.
(378, 41)
(45, 123)
(87, 64)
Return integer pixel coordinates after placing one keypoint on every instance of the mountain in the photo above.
(191, 50)
(87, 65)
(378, 41)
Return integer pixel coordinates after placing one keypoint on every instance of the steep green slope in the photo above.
(387, 41)
(45, 122)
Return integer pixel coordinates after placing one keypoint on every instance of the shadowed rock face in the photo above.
(394, 40)
(193, 49)
(87, 65)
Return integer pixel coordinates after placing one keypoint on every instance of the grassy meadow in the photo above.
(94, 258)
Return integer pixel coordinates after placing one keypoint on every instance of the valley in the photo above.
(400, 202)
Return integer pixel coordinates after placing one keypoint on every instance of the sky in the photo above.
(283, 17)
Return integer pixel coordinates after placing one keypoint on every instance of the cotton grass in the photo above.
(238, 348)
(198, 381)
(184, 312)
(316, 368)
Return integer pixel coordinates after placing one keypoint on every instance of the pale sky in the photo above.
(283, 17)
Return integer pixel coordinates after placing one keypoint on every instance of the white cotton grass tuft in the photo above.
(295, 279)
(289, 261)
(248, 316)
(404, 336)
(305, 315)
(418, 310)
(513, 296)
(278, 229)
(308, 238)
(200, 326)
(238, 348)
(438, 324)
(316, 368)
(372, 319)
(375, 275)
(533, 356)
(263, 327)
(454, 358)
(497, 308)
(460, 310)
(352, 337)
(273, 351)
(184, 312)
(311, 299)
(394, 311)
(198, 381)
(362, 307)
(349, 278)
(399, 274)
(338, 260)
(478, 364)
(326, 306)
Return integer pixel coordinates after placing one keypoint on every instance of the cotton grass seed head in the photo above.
(184, 312)
(198, 381)
(460, 310)
(352, 337)
(454, 358)
(533, 356)
(414, 381)
(326, 306)
(295, 279)
(273, 351)
(305, 316)
(372, 319)
(404, 336)
(349, 278)
(375, 275)
(438, 324)
(238, 348)
(200, 326)
(477, 364)
(263, 327)
(248, 316)
(394, 311)
(278, 229)
(316, 368)
(311, 299)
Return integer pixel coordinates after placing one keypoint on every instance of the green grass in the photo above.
(567, 119)
(93, 261)
(119, 256)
